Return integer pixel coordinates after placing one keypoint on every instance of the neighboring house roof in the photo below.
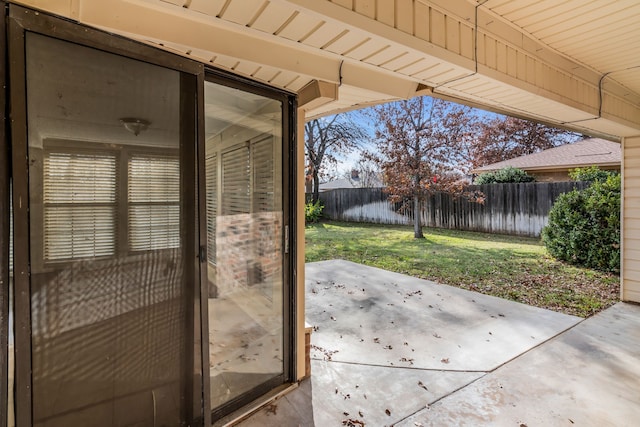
(588, 152)
(354, 182)
(338, 183)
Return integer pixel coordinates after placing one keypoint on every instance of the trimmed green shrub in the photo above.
(503, 176)
(584, 226)
(591, 173)
(313, 211)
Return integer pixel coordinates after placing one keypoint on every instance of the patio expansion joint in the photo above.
(443, 396)
(490, 371)
(552, 337)
(375, 365)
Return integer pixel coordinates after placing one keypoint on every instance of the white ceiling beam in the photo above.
(182, 27)
(157, 22)
(327, 10)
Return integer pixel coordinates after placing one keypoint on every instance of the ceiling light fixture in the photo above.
(135, 126)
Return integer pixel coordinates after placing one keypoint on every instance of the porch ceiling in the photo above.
(603, 35)
(569, 62)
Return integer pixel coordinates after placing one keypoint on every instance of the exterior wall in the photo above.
(558, 175)
(630, 269)
(249, 253)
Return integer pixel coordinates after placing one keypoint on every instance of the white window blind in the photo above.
(154, 202)
(236, 182)
(263, 175)
(211, 167)
(79, 195)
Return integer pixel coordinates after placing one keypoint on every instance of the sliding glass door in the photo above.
(151, 260)
(245, 239)
(113, 289)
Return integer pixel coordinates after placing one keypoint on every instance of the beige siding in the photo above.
(535, 73)
(630, 277)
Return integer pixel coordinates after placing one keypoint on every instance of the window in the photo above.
(211, 182)
(79, 194)
(154, 202)
(82, 203)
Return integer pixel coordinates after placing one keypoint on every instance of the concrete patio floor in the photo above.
(389, 349)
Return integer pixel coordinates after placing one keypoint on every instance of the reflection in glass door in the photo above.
(245, 243)
(112, 231)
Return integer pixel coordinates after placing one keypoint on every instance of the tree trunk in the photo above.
(316, 186)
(417, 226)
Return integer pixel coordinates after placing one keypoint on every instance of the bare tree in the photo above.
(419, 142)
(365, 173)
(324, 138)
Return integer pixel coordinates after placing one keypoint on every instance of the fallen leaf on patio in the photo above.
(417, 424)
(328, 354)
(435, 334)
(388, 347)
(352, 423)
(421, 384)
(336, 391)
(376, 340)
(445, 360)
(333, 318)
(405, 343)
(346, 414)
(360, 413)
(272, 409)
(388, 412)
(571, 421)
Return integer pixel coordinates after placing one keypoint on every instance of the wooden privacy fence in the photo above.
(518, 209)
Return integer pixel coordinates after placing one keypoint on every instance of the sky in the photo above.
(348, 161)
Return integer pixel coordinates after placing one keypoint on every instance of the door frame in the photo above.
(4, 228)
(288, 178)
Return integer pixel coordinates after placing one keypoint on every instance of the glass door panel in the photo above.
(245, 243)
(111, 281)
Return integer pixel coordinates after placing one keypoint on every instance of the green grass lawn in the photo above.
(516, 268)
